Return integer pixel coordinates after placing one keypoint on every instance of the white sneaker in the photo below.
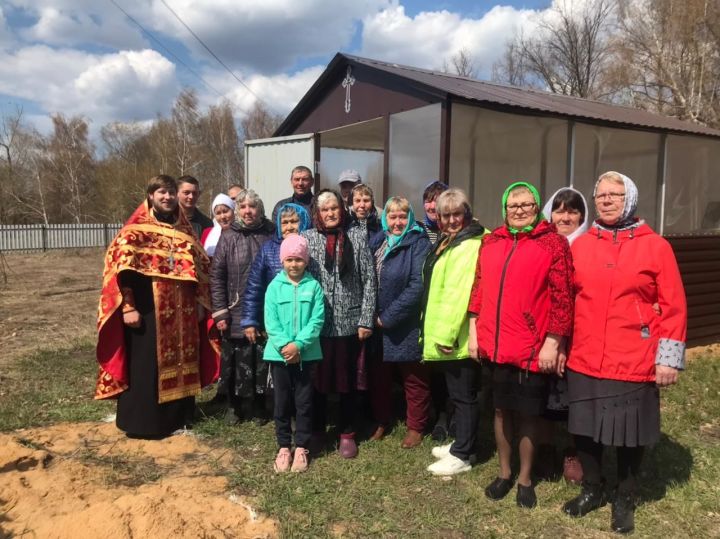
(449, 465)
(441, 451)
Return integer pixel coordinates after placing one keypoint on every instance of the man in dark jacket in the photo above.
(301, 179)
(188, 195)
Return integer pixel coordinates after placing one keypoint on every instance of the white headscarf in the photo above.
(547, 211)
(627, 219)
(214, 235)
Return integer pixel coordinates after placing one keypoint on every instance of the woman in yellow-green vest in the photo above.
(448, 276)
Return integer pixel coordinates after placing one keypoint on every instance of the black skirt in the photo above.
(613, 412)
(138, 412)
(518, 390)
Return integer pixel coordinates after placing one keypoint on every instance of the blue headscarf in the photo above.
(302, 213)
(392, 240)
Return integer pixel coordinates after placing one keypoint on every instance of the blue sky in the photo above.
(85, 57)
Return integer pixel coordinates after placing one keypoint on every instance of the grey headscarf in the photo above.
(627, 219)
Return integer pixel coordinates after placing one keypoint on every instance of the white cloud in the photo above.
(430, 38)
(266, 36)
(79, 22)
(120, 86)
(281, 92)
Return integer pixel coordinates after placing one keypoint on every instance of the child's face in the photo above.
(294, 266)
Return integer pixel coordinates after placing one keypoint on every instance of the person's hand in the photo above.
(656, 308)
(222, 325)
(472, 339)
(665, 376)
(445, 349)
(364, 333)
(132, 319)
(290, 353)
(251, 334)
(378, 322)
(562, 360)
(548, 356)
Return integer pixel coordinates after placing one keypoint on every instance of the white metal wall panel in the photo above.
(268, 163)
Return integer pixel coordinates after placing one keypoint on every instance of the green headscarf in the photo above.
(539, 217)
(393, 240)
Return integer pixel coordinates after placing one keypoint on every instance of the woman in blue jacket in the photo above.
(291, 219)
(400, 251)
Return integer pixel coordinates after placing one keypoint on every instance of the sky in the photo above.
(88, 58)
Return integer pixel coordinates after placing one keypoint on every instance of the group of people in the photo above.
(565, 320)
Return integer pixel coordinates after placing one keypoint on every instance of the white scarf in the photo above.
(214, 235)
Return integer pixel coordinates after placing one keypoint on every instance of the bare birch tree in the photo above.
(567, 53)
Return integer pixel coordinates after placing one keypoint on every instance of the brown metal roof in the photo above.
(521, 98)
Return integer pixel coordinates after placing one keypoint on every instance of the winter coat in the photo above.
(350, 298)
(400, 292)
(263, 270)
(294, 314)
(448, 282)
(523, 291)
(619, 277)
(234, 255)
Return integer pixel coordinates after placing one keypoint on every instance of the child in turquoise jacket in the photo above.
(294, 316)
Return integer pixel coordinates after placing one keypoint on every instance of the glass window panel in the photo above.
(490, 150)
(369, 165)
(414, 153)
(692, 190)
(633, 153)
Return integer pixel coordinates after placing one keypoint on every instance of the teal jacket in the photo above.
(294, 314)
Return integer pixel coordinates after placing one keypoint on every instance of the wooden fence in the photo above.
(28, 238)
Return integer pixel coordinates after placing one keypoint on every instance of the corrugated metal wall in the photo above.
(699, 261)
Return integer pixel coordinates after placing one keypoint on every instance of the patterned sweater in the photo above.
(349, 299)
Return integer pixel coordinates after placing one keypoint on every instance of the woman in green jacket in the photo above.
(448, 276)
(294, 316)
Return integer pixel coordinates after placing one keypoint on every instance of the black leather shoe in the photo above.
(592, 497)
(623, 514)
(526, 496)
(498, 489)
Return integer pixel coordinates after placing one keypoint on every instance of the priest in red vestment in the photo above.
(154, 343)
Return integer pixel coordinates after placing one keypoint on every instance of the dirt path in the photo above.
(50, 301)
(88, 480)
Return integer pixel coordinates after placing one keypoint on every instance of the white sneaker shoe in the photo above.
(441, 451)
(449, 465)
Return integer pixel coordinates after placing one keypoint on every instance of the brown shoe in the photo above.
(412, 439)
(379, 434)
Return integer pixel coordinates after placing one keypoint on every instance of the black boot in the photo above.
(623, 513)
(592, 497)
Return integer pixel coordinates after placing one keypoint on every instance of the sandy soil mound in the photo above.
(88, 480)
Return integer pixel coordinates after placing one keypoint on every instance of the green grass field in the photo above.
(386, 491)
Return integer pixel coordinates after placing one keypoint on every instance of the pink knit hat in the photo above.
(294, 245)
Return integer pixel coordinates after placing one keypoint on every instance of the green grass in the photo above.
(386, 491)
(51, 386)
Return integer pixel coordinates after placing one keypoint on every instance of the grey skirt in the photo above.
(613, 412)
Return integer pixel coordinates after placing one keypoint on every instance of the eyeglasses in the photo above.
(525, 206)
(612, 197)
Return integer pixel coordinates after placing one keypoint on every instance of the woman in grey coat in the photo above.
(243, 373)
(340, 260)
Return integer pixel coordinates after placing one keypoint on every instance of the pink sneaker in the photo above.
(282, 461)
(300, 460)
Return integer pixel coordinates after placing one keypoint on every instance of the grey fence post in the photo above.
(44, 237)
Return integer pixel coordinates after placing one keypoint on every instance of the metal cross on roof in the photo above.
(347, 82)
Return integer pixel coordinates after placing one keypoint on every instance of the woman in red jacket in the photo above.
(629, 339)
(522, 299)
